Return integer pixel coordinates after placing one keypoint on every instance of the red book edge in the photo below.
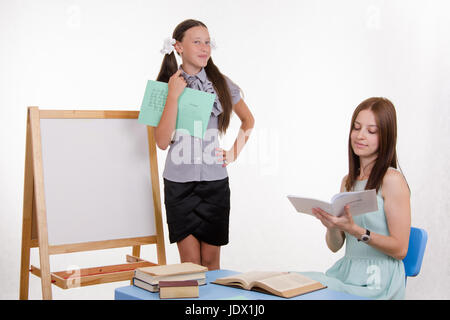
(184, 283)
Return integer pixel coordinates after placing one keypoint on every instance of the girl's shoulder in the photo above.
(393, 175)
(394, 181)
(231, 84)
(235, 90)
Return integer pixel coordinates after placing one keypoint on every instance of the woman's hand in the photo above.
(343, 223)
(176, 85)
(226, 156)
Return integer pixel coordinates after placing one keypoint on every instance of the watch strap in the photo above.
(366, 234)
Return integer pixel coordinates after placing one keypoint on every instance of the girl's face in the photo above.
(195, 49)
(365, 136)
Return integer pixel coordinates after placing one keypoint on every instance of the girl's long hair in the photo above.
(386, 120)
(169, 66)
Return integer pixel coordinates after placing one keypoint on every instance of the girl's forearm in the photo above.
(166, 126)
(386, 244)
(335, 239)
(242, 137)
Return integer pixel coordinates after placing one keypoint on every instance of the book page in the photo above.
(360, 202)
(305, 205)
(286, 282)
(194, 111)
(173, 269)
(184, 276)
(248, 278)
(153, 103)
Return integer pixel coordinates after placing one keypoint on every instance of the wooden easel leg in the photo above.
(27, 217)
(161, 252)
(41, 213)
(46, 281)
(160, 248)
(24, 273)
(136, 253)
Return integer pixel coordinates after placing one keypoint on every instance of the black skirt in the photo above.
(200, 208)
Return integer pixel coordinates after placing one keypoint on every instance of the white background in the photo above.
(303, 67)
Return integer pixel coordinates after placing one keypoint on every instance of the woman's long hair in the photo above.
(169, 66)
(386, 120)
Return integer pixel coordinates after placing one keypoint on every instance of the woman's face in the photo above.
(365, 136)
(195, 49)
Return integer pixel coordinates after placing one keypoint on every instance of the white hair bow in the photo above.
(168, 46)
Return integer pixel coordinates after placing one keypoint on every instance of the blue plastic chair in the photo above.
(416, 249)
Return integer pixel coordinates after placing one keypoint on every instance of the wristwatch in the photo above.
(365, 237)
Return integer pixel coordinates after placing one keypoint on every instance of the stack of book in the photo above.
(148, 278)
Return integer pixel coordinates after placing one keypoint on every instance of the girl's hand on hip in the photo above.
(224, 156)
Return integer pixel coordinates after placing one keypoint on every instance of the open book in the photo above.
(281, 284)
(194, 108)
(360, 202)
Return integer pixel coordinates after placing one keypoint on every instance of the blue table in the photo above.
(212, 291)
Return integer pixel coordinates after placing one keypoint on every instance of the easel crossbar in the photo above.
(100, 245)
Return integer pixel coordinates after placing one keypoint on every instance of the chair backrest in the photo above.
(416, 249)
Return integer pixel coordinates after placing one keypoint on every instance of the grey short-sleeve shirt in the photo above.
(193, 159)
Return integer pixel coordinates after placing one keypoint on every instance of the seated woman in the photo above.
(376, 242)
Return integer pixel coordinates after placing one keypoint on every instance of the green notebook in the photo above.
(194, 108)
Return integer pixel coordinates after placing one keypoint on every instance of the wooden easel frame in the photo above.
(34, 228)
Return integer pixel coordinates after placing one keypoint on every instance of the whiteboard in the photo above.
(96, 180)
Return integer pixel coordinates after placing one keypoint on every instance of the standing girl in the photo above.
(196, 188)
(376, 242)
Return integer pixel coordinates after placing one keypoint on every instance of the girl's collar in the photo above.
(201, 75)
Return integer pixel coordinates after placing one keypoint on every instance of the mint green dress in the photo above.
(365, 271)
